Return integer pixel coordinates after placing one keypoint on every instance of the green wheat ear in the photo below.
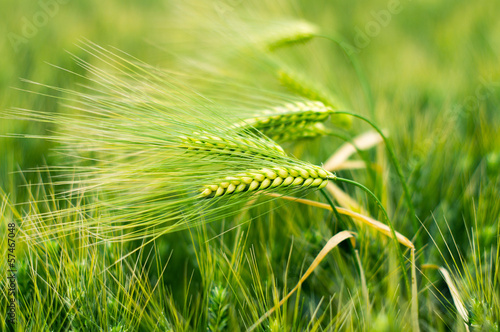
(289, 122)
(218, 310)
(291, 33)
(274, 178)
(236, 145)
(151, 163)
(275, 34)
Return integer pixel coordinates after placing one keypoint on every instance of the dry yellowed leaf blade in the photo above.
(363, 142)
(457, 299)
(344, 199)
(332, 243)
(377, 225)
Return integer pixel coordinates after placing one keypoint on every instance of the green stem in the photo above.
(393, 232)
(334, 209)
(399, 171)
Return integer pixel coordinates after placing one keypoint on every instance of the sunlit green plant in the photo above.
(233, 69)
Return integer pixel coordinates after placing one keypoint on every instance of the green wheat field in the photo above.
(233, 165)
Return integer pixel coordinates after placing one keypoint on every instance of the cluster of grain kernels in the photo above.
(289, 114)
(236, 145)
(277, 177)
(291, 121)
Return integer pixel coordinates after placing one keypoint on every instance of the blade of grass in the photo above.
(357, 68)
(332, 243)
(455, 294)
(414, 293)
(393, 232)
(344, 199)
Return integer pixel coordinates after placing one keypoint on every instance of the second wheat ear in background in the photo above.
(290, 121)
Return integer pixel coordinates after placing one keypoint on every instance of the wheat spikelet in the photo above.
(218, 310)
(274, 178)
(290, 113)
(300, 85)
(290, 33)
(307, 130)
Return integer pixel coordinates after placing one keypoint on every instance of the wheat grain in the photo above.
(311, 111)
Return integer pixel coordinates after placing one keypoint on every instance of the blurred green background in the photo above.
(38, 34)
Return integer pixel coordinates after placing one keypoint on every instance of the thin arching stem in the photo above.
(334, 209)
(389, 223)
(329, 200)
(399, 171)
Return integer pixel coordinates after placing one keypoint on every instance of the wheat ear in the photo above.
(237, 145)
(269, 178)
(290, 121)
